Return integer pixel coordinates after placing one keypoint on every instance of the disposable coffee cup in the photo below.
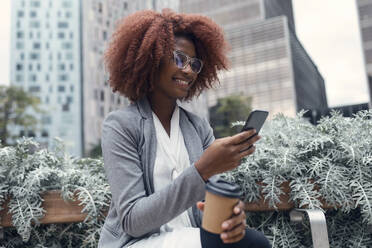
(220, 200)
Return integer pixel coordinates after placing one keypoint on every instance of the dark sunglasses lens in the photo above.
(180, 60)
(196, 65)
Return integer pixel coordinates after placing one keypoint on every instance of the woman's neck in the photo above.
(163, 108)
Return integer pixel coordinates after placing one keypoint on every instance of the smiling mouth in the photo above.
(181, 82)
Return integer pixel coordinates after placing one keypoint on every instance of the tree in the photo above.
(228, 110)
(16, 106)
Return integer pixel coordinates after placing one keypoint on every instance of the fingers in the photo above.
(234, 235)
(200, 205)
(241, 137)
(248, 143)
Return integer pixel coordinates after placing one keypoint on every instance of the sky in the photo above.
(328, 29)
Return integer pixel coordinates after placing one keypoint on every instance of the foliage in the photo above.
(331, 160)
(27, 172)
(229, 109)
(95, 151)
(14, 103)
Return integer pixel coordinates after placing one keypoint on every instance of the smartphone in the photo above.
(255, 120)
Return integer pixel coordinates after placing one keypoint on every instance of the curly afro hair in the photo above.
(146, 37)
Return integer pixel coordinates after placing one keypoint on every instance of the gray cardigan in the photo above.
(129, 150)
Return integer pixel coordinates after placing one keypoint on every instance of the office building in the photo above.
(365, 22)
(267, 60)
(46, 61)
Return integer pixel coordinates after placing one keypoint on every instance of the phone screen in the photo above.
(255, 120)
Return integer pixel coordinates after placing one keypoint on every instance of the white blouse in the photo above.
(171, 159)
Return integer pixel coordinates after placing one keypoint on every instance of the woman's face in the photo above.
(173, 82)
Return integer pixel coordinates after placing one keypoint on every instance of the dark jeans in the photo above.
(252, 239)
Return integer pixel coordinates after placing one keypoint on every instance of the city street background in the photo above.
(328, 29)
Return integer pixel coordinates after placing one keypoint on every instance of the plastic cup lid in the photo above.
(218, 186)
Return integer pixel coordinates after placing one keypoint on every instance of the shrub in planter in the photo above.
(332, 160)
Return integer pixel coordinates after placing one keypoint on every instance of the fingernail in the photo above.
(236, 210)
(225, 225)
(223, 236)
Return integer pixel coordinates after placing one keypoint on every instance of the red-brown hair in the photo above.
(144, 38)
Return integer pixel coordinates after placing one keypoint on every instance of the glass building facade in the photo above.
(365, 22)
(46, 61)
(267, 60)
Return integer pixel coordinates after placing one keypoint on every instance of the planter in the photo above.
(60, 211)
(57, 210)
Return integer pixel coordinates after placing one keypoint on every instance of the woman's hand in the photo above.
(233, 228)
(225, 154)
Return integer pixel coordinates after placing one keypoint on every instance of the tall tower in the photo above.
(267, 60)
(46, 61)
(365, 22)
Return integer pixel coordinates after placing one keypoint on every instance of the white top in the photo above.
(171, 159)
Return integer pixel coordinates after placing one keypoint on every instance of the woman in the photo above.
(157, 155)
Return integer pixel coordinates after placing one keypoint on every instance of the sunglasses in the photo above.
(182, 60)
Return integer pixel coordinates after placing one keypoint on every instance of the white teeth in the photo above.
(181, 82)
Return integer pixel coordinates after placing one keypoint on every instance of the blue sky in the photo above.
(327, 29)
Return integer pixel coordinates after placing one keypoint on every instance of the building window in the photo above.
(20, 35)
(35, 4)
(125, 5)
(71, 35)
(34, 89)
(30, 67)
(71, 67)
(63, 77)
(62, 25)
(68, 14)
(102, 95)
(19, 67)
(32, 14)
(22, 133)
(61, 88)
(104, 35)
(31, 35)
(61, 35)
(47, 45)
(38, 67)
(34, 56)
(47, 77)
(44, 134)
(69, 99)
(66, 107)
(18, 24)
(36, 45)
(20, 13)
(31, 134)
(47, 99)
(61, 67)
(34, 24)
(22, 56)
(66, 4)
(100, 7)
(71, 88)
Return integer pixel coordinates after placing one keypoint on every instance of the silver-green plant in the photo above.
(332, 160)
(27, 172)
